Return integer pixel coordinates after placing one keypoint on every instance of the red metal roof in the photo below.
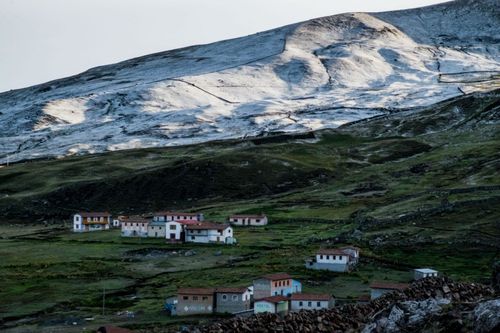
(277, 276)
(207, 226)
(174, 214)
(94, 214)
(273, 299)
(187, 222)
(389, 285)
(310, 297)
(231, 290)
(196, 291)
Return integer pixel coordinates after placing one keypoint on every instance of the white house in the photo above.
(91, 221)
(117, 222)
(176, 216)
(336, 260)
(175, 230)
(135, 226)
(208, 232)
(310, 301)
(422, 273)
(248, 220)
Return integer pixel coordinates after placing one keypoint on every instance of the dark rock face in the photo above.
(417, 304)
(495, 277)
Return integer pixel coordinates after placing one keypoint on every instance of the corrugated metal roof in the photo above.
(310, 297)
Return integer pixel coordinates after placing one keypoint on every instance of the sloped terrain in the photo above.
(312, 75)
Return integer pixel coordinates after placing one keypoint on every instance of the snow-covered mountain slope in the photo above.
(306, 76)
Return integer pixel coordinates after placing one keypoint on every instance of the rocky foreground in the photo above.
(430, 305)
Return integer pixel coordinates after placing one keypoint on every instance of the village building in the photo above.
(192, 301)
(302, 301)
(275, 284)
(378, 289)
(135, 226)
(272, 304)
(248, 220)
(232, 300)
(337, 260)
(117, 222)
(422, 273)
(208, 232)
(91, 221)
(175, 231)
(176, 216)
(157, 229)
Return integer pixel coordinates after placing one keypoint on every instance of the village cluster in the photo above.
(274, 293)
(172, 226)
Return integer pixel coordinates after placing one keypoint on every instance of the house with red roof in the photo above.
(378, 289)
(342, 259)
(275, 284)
(135, 226)
(175, 231)
(232, 299)
(168, 216)
(208, 232)
(272, 304)
(192, 301)
(301, 301)
(91, 221)
(248, 220)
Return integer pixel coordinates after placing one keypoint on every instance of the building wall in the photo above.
(194, 304)
(208, 236)
(327, 267)
(169, 218)
(310, 305)
(77, 223)
(332, 258)
(232, 302)
(133, 229)
(282, 307)
(156, 231)
(264, 306)
(173, 231)
(281, 287)
(261, 288)
(249, 221)
(421, 275)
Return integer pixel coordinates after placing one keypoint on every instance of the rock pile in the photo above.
(353, 317)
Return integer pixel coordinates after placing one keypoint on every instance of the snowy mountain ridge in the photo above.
(306, 76)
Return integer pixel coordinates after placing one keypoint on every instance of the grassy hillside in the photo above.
(411, 189)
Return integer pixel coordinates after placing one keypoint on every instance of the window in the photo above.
(275, 284)
(235, 220)
(224, 297)
(321, 256)
(327, 257)
(185, 298)
(193, 237)
(257, 220)
(334, 257)
(309, 303)
(173, 227)
(318, 304)
(340, 257)
(195, 298)
(204, 298)
(301, 303)
(234, 297)
(288, 282)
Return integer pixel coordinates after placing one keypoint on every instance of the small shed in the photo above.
(273, 304)
(422, 273)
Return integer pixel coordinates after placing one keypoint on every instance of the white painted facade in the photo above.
(134, 228)
(248, 220)
(297, 305)
(174, 231)
(83, 223)
(422, 273)
(209, 235)
(173, 216)
(332, 258)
